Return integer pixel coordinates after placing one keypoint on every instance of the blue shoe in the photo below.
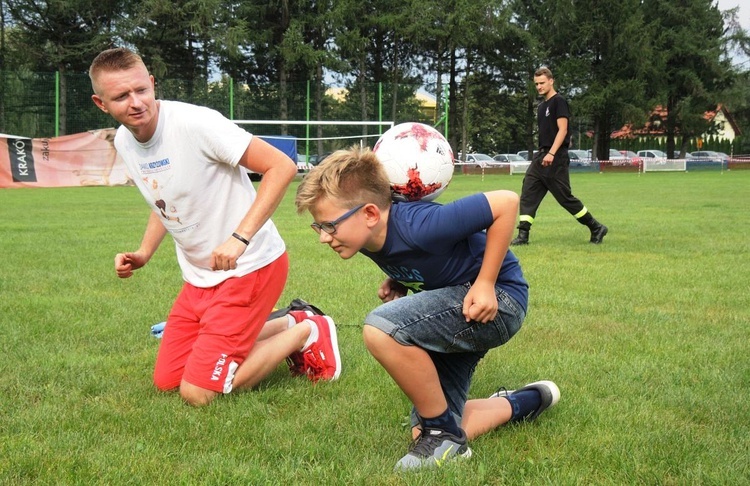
(548, 390)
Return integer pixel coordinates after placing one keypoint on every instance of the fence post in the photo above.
(231, 98)
(57, 103)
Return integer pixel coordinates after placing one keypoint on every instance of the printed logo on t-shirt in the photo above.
(408, 277)
(154, 166)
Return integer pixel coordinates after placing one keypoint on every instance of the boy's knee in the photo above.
(374, 338)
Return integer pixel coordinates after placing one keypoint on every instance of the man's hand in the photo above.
(390, 290)
(225, 256)
(126, 263)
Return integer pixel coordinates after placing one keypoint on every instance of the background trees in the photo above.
(615, 60)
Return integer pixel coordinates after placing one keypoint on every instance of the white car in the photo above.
(480, 160)
(652, 154)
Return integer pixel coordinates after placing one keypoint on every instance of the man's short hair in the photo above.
(117, 59)
(544, 71)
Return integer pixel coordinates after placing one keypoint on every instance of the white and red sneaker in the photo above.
(296, 361)
(322, 360)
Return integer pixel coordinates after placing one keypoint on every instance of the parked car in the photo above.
(579, 158)
(508, 158)
(710, 155)
(317, 159)
(632, 157)
(479, 160)
(525, 155)
(652, 153)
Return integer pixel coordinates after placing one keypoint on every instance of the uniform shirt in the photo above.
(546, 115)
(189, 175)
(430, 246)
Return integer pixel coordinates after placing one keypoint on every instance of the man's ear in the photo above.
(98, 102)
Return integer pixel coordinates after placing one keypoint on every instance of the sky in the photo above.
(744, 16)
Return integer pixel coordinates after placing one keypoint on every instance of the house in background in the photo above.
(726, 129)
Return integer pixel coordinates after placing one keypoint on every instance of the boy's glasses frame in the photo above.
(329, 227)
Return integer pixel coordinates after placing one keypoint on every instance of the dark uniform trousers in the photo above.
(554, 178)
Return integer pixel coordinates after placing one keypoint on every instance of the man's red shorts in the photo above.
(210, 331)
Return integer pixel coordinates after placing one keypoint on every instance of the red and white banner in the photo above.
(82, 159)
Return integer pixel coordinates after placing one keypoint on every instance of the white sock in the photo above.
(314, 333)
(292, 322)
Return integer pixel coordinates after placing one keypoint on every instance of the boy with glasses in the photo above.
(468, 296)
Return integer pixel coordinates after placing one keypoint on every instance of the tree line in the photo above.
(615, 60)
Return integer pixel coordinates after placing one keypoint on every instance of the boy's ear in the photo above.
(372, 214)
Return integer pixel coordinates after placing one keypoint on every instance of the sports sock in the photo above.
(313, 335)
(523, 403)
(292, 321)
(445, 421)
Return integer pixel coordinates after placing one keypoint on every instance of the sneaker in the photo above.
(296, 305)
(434, 447)
(322, 360)
(548, 390)
(299, 310)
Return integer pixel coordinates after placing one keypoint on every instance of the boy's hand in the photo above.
(480, 303)
(390, 290)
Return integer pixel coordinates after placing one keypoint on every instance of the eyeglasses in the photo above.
(330, 226)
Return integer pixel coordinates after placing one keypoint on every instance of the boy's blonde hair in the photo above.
(348, 177)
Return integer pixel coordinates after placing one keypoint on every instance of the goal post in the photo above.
(330, 134)
(661, 164)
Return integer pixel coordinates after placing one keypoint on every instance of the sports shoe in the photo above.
(299, 310)
(548, 390)
(434, 447)
(322, 360)
(296, 305)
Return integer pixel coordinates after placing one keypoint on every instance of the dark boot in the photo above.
(521, 239)
(598, 231)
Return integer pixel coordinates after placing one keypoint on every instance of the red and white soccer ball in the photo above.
(418, 160)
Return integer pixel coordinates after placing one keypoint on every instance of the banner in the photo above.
(81, 159)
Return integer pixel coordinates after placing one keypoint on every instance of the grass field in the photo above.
(647, 336)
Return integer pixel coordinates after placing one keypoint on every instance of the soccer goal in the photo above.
(319, 136)
(661, 164)
(519, 167)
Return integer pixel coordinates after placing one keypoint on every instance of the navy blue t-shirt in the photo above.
(430, 246)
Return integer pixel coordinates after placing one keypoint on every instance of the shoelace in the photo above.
(425, 444)
(296, 363)
(313, 364)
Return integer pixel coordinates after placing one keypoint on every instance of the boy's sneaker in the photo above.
(434, 447)
(322, 360)
(548, 390)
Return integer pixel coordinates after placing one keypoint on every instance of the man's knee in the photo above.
(196, 396)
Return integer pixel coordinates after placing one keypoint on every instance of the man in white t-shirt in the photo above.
(188, 161)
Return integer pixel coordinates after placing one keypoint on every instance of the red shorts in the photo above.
(210, 331)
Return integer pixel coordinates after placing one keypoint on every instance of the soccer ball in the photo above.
(417, 159)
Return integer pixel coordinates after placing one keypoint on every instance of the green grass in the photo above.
(646, 335)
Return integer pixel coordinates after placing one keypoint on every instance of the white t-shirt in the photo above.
(189, 174)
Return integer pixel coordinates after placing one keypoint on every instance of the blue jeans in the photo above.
(433, 320)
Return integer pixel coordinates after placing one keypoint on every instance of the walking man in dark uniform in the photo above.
(549, 168)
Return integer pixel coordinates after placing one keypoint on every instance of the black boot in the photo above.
(521, 239)
(598, 231)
